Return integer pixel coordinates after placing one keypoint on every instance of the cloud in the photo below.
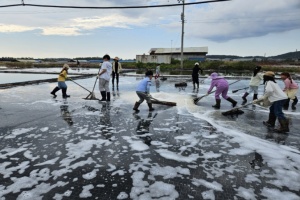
(219, 22)
(11, 28)
(79, 26)
(61, 31)
(115, 21)
(242, 19)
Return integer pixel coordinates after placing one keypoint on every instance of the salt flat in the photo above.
(79, 149)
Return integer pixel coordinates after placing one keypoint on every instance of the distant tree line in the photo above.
(288, 56)
(88, 58)
(9, 59)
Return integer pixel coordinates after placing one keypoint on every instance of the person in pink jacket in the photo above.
(291, 89)
(222, 88)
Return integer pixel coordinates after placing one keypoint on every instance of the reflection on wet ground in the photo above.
(72, 149)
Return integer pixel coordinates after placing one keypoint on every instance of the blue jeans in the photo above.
(276, 109)
(62, 84)
(253, 89)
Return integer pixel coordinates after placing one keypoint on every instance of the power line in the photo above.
(112, 7)
(228, 21)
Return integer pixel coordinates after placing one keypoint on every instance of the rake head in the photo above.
(182, 84)
(91, 96)
(232, 112)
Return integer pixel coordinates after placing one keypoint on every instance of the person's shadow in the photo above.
(257, 162)
(105, 123)
(278, 138)
(116, 93)
(143, 127)
(66, 115)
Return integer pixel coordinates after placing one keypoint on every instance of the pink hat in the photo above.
(214, 75)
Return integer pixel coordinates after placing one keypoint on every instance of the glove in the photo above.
(256, 101)
(149, 95)
(98, 76)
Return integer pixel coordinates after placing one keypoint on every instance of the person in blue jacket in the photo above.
(143, 91)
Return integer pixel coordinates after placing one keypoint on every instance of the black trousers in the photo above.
(195, 79)
(115, 75)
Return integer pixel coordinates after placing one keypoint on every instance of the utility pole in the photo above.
(182, 32)
(171, 51)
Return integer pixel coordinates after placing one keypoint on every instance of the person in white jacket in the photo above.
(116, 70)
(277, 98)
(254, 83)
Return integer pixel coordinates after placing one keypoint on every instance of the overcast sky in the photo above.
(237, 27)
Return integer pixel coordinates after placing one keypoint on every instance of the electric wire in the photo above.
(114, 7)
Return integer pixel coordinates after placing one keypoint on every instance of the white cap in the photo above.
(66, 66)
(196, 63)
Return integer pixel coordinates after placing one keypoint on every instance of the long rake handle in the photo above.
(234, 91)
(228, 112)
(80, 85)
(96, 80)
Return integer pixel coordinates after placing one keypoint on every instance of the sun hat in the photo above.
(66, 66)
(269, 73)
(116, 58)
(214, 75)
(196, 63)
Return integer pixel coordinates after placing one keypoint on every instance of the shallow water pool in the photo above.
(16, 78)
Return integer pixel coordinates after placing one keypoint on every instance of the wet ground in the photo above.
(74, 148)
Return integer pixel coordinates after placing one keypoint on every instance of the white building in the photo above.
(164, 55)
(153, 59)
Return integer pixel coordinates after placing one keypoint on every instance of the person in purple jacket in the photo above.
(222, 88)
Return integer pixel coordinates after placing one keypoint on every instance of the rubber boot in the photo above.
(245, 97)
(54, 91)
(136, 106)
(194, 86)
(218, 104)
(108, 96)
(254, 96)
(103, 94)
(64, 93)
(233, 102)
(197, 86)
(271, 121)
(150, 107)
(286, 104)
(284, 126)
(295, 101)
(113, 87)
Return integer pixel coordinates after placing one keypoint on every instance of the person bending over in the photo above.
(222, 88)
(277, 98)
(143, 91)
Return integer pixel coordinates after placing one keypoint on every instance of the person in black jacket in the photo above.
(195, 75)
